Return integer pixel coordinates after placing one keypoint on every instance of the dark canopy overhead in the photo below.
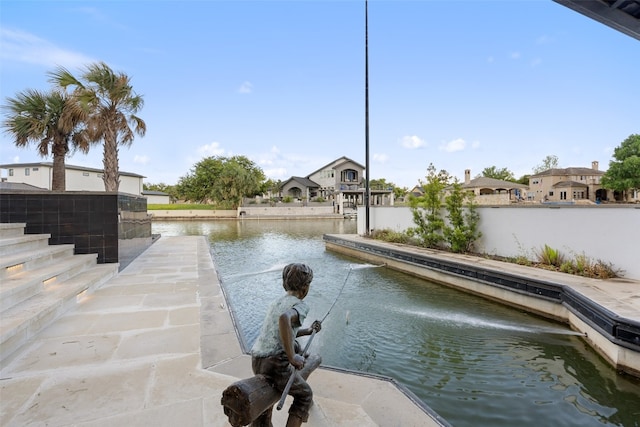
(622, 15)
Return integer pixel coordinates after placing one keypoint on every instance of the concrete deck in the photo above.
(156, 345)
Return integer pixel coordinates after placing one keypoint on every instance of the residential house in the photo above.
(491, 191)
(487, 191)
(78, 178)
(341, 181)
(299, 187)
(572, 184)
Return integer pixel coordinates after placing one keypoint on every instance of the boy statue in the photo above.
(276, 347)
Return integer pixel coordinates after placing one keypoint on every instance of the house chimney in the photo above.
(467, 176)
(594, 165)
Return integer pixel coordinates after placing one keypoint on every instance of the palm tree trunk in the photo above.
(58, 181)
(110, 161)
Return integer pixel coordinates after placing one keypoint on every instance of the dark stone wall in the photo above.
(134, 228)
(113, 225)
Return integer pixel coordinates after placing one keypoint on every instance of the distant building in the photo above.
(341, 181)
(487, 191)
(568, 185)
(78, 178)
(491, 191)
(156, 197)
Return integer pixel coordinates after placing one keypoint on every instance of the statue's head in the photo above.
(296, 277)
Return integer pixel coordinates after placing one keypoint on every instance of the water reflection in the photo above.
(475, 362)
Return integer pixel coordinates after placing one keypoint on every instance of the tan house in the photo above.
(491, 191)
(574, 184)
(487, 191)
(78, 178)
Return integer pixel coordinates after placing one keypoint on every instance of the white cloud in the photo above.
(536, 62)
(380, 158)
(453, 146)
(515, 55)
(276, 173)
(270, 158)
(143, 160)
(245, 87)
(490, 59)
(412, 142)
(475, 144)
(212, 149)
(20, 46)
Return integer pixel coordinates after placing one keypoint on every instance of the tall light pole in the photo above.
(366, 115)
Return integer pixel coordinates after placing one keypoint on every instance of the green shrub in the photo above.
(391, 236)
(522, 260)
(567, 267)
(550, 256)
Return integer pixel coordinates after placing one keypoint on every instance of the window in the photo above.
(10, 172)
(329, 173)
(26, 172)
(563, 195)
(35, 169)
(550, 193)
(85, 173)
(349, 175)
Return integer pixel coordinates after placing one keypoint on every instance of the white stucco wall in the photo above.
(156, 199)
(37, 176)
(610, 233)
(41, 175)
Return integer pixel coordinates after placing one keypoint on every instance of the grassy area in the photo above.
(181, 207)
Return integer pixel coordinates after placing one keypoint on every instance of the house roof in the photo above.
(486, 182)
(336, 163)
(153, 193)
(305, 182)
(568, 171)
(621, 15)
(67, 166)
(20, 186)
(563, 184)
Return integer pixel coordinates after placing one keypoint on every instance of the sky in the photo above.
(458, 84)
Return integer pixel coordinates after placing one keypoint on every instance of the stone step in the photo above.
(25, 242)
(22, 285)
(30, 260)
(11, 230)
(21, 322)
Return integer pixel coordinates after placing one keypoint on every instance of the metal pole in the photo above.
(366, 115)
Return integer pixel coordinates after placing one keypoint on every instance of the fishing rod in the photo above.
(285, 392)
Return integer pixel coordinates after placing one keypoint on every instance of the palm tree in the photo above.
(112, 105)
(54, 121)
